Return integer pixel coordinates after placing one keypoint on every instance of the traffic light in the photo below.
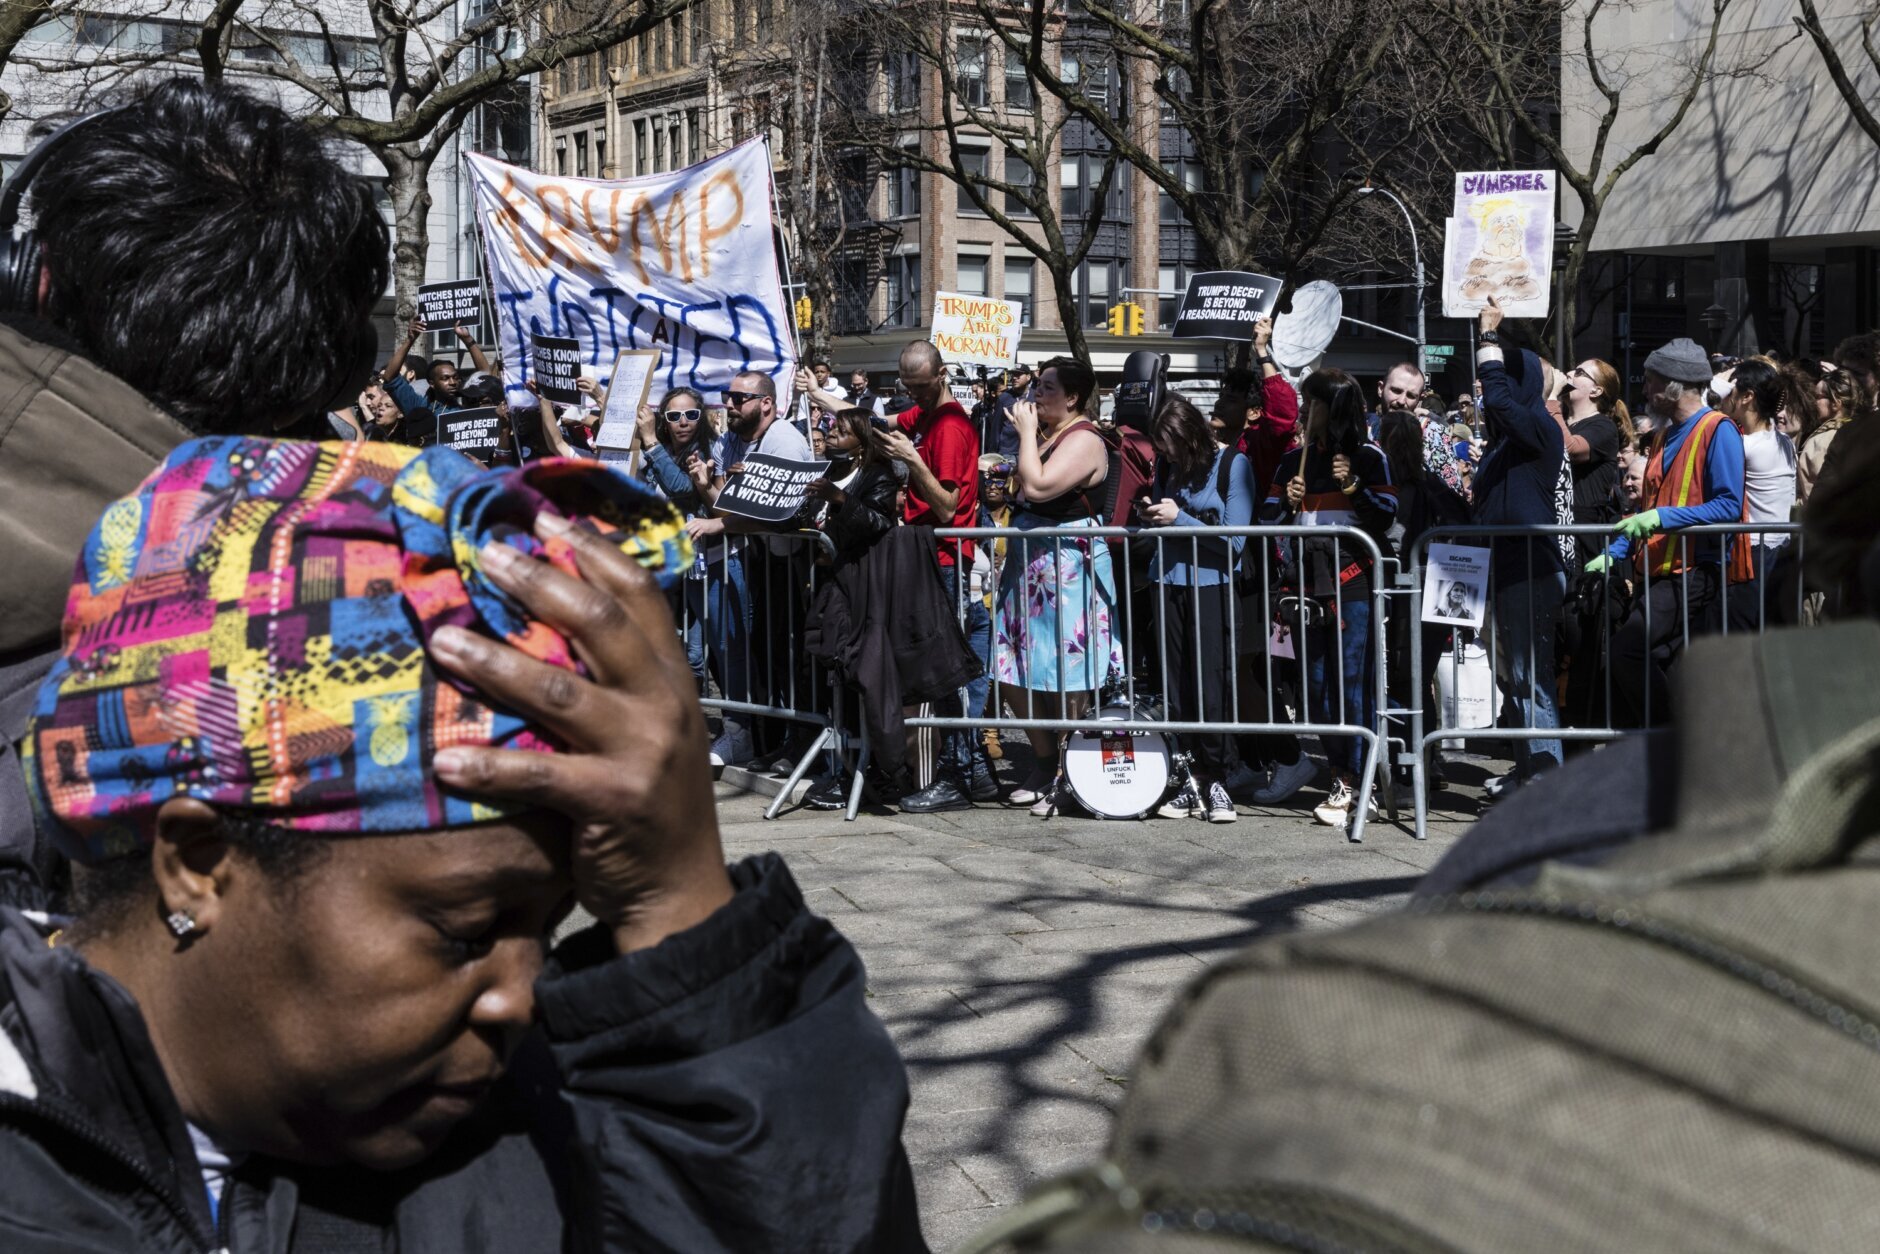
(1135, 318)
(1116, 319)
(804, 313)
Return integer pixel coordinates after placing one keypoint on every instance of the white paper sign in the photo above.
(976, 330)
(1499, 242)
(684, 264)
(1455, 585)
(631, 381)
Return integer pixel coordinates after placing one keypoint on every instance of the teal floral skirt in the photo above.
(1057, 611)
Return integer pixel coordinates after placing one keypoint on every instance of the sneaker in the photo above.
(831, 792)
(1036, 785)
(1220, 805)
(1182, 805)
(982, 786)
(1243, 781)
(1285, 781)
(1500, 785)
(942, 794)
(1335, 810)
(733, 746)
(1047, 804)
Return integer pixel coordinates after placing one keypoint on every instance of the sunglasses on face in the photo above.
(684, 415)
(738, 398)
(1577, 373)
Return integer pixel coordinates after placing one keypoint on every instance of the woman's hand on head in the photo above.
(634, 776)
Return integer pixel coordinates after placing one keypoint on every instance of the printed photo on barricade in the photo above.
(769, 489)
(447, 305)
(557, 366)
(1499, 242)
(1224, 305)
(1455, 585)
(473, 431)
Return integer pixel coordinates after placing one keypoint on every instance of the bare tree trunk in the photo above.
(408, 176)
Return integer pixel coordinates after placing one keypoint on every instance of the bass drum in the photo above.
(1118, 774)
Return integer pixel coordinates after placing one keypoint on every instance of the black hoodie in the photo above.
(1515, 482)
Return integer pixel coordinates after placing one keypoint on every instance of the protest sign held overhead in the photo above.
(682, 263)
(557, 362)
(976, 330)
(626, 391)
(473, 431)
(768, 489)
(1224, 305)
(446, 305)
(1498, 241)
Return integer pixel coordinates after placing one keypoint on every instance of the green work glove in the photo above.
(1638, 526)
(1602, 562)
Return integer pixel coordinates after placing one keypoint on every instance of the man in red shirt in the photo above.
(936, 442)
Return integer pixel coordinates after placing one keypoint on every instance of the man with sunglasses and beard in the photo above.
(755, 426)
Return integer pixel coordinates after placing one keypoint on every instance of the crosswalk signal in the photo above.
(1134, 319)
(1117, 319)
(804, 313)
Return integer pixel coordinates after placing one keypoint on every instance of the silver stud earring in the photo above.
(181, 922)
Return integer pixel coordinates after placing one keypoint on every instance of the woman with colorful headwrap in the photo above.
(339, 734)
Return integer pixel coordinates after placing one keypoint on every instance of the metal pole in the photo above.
(1416, 252)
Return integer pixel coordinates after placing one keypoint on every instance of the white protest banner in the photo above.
(1499, 242)
(557, 362)
(768, 489)
(1224, 305)
(683, 263)
(976, 330)
(1455, 585)
(626, 392)
(473, 431)
(447, 305)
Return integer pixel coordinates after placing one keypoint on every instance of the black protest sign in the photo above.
(768, 489)
(1224, 305)
(473, 431)
(444, 305)
(557, 366)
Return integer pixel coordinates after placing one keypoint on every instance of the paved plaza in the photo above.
(1020, 962)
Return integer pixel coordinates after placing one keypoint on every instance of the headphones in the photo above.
(20, 261)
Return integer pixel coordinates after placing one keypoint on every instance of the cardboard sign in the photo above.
(557, 366)
(1499, 242)
(769, 489)
(473, 431)
(976, 330)
(1455, 585)
(1224, 305)
(626, 391)
(446, 305)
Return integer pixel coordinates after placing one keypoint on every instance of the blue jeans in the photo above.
(1353, 651)
(1525, 615)
(960, 750)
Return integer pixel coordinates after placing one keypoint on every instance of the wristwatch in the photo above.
(1351, 489)
(1488, 337)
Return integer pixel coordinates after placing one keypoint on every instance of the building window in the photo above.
(695, 138)
(639, 146)
(1097, 84)
(583, 73)
(1018, 96)
(645, 58)
(701, 31)
(561, 157)
(971, 72)
(675, 145)
(972, 276)
(903, 191)
(600, 154)
(903, 70)
(1070, 189)
(740, 21)
(852, 297)
(973, 166)
(659, 46)
(678, 40)
(1092, 283)
(1189, 172)
(1018, 287)
(659, 150)
(1169, 279)
(580, 155)
(903, 283)
(764, 24)
(1017, 175)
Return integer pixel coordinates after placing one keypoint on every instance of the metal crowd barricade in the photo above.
(741, 611)
(1690, 546)
(1177, 543)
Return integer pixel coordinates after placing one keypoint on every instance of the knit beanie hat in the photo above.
(1683, 360)
(249, 629)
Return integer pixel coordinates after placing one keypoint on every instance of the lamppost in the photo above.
(1416, 252)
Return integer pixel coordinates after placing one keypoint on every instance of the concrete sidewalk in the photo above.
(1020, 962)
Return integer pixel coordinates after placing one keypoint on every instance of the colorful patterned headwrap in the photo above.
(248, 629)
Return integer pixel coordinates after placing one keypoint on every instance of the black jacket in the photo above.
(867, 513)
(1516, 480)
(725, 1090)
(884, 625)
